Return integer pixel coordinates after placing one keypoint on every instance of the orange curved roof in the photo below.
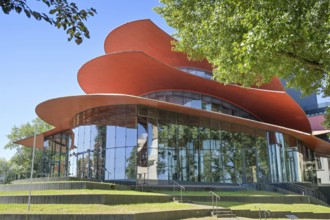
(146, 36)
(140, 60)
(135, 73)
(67, 107)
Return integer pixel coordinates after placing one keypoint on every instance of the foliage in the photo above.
(130, 170)
(326, 122)
(62, 14)
(25, 131)
(250, 42)
(5, 171)
(21, 160)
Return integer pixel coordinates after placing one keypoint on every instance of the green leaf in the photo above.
(27, 12)
(6, 9)
(78, 40)
(18, 9)
(53, 11)
(36, 15)
(86, 34)
(93, 10)
(70, 31)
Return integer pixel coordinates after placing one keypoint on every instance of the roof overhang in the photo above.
(136, 73)
(66, 108)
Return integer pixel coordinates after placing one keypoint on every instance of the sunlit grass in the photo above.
(71, 181)
(133, 192)
(223, 193)
(94, 208)
(282, 207)
(78, 192)
(272, 207)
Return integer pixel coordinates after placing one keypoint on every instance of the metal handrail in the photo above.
(181, 188)
(304, 191)
(265, 213)
(215, 199)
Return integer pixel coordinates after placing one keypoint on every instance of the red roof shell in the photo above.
(140, 60)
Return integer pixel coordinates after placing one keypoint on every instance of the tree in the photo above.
(4, 171)
(61, 13)
(21, 160)
(250, 42)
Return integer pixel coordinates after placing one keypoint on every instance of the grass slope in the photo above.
(93, 208)
(77, 192)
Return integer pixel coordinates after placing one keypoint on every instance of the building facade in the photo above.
(315, 109)
(152, 115)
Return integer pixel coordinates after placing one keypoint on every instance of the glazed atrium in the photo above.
(152, 115)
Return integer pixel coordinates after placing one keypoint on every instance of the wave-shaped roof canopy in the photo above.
(66, 108)
(139, 60)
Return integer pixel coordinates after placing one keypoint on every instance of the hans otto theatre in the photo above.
(151, 114)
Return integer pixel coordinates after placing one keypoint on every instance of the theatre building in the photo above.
(151, 114)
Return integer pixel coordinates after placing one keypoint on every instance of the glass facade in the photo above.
(197, 72)
(143, 144)
(55, 159)
(199, 101)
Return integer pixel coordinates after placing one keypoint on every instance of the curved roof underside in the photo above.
(67, 107)
(135, 73)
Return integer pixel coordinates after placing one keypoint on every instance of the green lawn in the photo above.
(94, 208)
(71, 181)
(105, 209)
(223, 193)
(133, 192)
(77, 191)
(282, 207)
(272, 207)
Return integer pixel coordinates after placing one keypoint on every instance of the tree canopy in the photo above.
(61, 14)
(20, 163)
(25, 131)
(249, 42)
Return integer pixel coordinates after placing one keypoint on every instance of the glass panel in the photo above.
(119, 162)
(262, 155)
(130, 170)
(142, 151)
(152, 149)
(249, 166)
(196, 100)
(163, 145)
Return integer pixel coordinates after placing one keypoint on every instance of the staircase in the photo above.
(220, 212)
(223, 213)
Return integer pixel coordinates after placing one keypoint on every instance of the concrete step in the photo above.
(221, 210)
(226, 215)
(229, 218)
(183, 200)
(223, 213)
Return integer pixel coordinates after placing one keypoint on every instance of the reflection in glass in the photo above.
(148, 145)
(199, 101)
(56, 155)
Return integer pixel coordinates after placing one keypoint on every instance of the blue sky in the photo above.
(38, 63)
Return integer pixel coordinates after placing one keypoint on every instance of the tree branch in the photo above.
(310, 63)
